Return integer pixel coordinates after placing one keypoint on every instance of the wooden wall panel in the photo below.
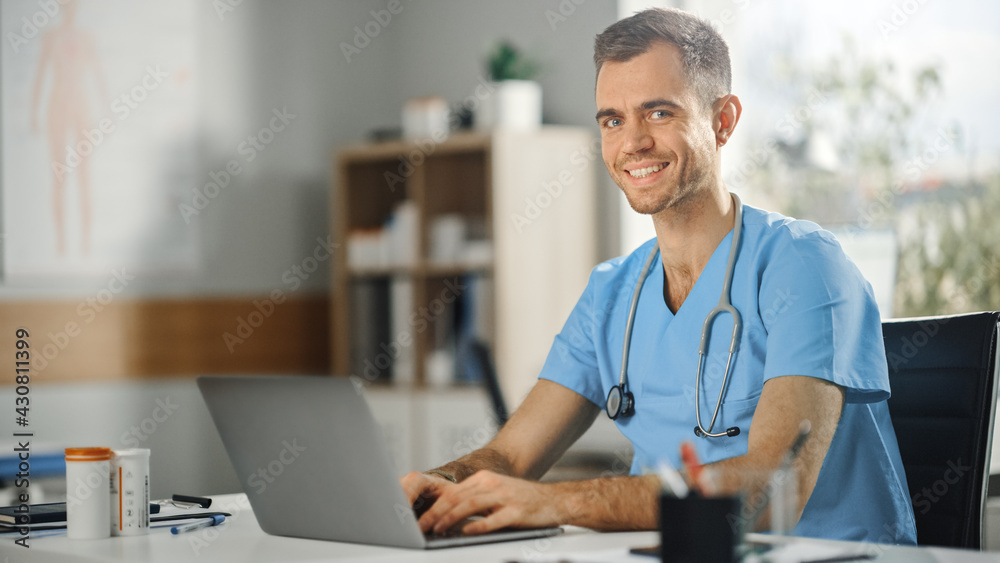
(169, 337)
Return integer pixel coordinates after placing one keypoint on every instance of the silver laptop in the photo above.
(313, 462)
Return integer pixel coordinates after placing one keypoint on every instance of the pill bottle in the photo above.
(88, 494)
(130, 492)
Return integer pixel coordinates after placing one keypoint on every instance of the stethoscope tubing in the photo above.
(725, 306)
(622, 377)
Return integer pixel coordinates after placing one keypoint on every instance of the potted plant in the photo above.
(515, 100)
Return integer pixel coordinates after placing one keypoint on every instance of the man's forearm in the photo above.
(610, 504)
(481, 459)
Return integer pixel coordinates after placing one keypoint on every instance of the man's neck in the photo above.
(688, 236)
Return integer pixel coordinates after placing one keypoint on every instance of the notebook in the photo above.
(313, 463)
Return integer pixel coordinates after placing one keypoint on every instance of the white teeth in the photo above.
(643, 172)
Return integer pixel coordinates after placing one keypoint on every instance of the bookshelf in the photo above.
(484, 235)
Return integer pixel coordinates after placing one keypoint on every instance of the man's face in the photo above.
(656, 136)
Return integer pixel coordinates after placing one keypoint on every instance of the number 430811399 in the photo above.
(22, 358)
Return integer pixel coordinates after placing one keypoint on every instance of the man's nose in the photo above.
(637, 137)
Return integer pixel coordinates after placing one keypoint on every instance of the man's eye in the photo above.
(660, 114)
(613, 122)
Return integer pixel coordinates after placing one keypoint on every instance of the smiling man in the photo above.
(807, 346)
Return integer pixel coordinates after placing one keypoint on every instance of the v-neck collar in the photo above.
(725, 243)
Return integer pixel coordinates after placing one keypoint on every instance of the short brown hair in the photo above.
(703, 51)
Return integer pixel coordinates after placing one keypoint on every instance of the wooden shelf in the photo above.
(392, 150)
(486, 180)
(427, 270)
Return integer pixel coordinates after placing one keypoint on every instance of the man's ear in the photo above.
(727, 114)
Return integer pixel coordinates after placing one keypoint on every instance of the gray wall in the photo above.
(267, 55)
(441, 46)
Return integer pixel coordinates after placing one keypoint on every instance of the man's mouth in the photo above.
(643, 172)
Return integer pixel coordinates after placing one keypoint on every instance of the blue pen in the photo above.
(207, 522)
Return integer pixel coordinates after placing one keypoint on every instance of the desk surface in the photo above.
(240, 539)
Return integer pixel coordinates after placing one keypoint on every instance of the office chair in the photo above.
(943, 375)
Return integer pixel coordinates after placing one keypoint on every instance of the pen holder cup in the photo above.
(699, 529)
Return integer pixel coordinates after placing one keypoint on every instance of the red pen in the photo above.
(689, 457)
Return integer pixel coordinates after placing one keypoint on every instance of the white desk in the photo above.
(240, 539)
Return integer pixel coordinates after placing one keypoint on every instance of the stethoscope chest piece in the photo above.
(620, 402)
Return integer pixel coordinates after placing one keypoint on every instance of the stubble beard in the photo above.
(687, 186)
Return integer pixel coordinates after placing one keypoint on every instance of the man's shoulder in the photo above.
(772, 226)
(786, 238)
(620, 267)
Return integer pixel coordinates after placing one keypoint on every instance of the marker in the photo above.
(689, 457)
(206, 523)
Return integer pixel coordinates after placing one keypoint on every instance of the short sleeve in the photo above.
(821, 317)
(572, 360)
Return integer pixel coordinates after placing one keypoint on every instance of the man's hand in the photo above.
(422, 489)
(503, 501)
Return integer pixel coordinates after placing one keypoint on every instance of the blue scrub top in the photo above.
(806, 310)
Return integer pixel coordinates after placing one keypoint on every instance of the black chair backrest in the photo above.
(943, 376)
(484, 364)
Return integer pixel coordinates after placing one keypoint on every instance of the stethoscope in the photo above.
(621, 402)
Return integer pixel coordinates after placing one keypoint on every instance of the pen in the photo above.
(793, 452)
(671, 480)
(207, 522)
(844, 558)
